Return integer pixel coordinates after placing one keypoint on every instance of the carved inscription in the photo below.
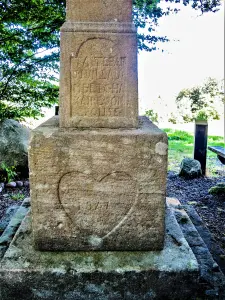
(97, 81)
(97, 205)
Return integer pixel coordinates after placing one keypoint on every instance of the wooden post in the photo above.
(200, 147)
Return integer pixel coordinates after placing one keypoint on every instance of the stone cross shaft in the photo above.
(98, 76)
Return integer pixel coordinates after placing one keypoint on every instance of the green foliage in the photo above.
(180, 135)
(18, 196)
(172, 118)
(201, 102)
(29, 48)
(153, 116)
(29, 56)
(7, 173)
(181, 145)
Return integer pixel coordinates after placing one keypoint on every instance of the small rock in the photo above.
(19, 183)
(11, 184)
(219, 189)
(215, 268)
(211, 293)
(26, 183)
(190, 168)
(220, 209)
(1, 186)
(192, 202)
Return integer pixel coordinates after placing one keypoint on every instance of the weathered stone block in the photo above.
(101, 189)
(32, 275)
(99, 10)
(98, 75)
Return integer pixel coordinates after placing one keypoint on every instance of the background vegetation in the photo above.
(203, 102)
(181, 145)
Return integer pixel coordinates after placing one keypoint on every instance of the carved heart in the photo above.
(97, 207)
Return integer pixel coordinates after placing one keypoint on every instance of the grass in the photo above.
(18, 196)
(181, 145)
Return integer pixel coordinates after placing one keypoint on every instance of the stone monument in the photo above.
(98, 179)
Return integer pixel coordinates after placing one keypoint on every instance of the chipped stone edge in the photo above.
(176, 256)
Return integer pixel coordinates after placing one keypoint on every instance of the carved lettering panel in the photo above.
(98, 85)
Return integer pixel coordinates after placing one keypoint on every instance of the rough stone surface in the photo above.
(219, 189)
(99, 11)
(100, 189)
(99, 85)
(211, 278)
(13, 225)
(168, 274)
(5, 220)
(2, 185)
(13, 144)
(190, 168)
(204, 232)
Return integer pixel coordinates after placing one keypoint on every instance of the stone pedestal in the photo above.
(98, 175)
(168, 274)
(101, 189)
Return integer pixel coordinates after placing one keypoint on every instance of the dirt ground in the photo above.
(195, 192)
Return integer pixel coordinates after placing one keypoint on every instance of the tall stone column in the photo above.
(98, 174)
(98, 65)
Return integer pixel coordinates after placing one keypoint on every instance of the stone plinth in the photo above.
(168, 274)
(100, 189)
(98, 71)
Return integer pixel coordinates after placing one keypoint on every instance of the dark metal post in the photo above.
(200, 148)
(56, 110)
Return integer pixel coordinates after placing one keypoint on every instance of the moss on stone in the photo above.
(219, 189)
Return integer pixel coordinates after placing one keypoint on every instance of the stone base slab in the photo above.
(168, 274)
(98, 189)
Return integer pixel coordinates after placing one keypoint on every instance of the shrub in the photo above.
(7, 173)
